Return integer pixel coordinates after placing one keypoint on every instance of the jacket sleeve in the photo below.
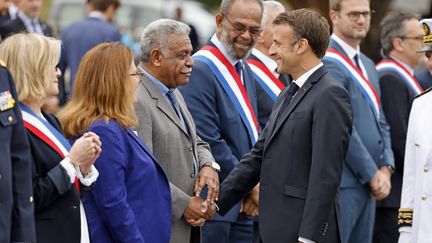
(110, 189)
(331, 129)
(23, 226)
(358, 157)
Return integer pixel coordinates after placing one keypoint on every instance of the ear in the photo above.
(302, 45)
(397, 44)
(219, 19)
(261, 38)
(333, 16)
(155, 57)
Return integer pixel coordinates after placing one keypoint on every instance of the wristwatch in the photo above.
(390, 168)
(215, 166)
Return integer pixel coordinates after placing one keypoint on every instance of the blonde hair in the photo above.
(102, 90)
(30, 58)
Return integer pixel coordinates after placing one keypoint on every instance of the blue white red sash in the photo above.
(394, 66)
(46, 132)
(231, 82)
(362, 82)
(267, 80)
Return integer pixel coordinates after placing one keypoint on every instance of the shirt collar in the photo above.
(13, 10)
(410, 70)
(164, 89)
(268, 62)
(221, 47)
(349, 50)
(304, 77)
(97, 15)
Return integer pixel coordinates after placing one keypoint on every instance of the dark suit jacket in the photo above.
(16, 201)
(57, 200)
(396, 98)
(17, 25)
(218, 121)
(81, 36)
(298, 163)
(264, 101)
(424, 78)
(130, 201)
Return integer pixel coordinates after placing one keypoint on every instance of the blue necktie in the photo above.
(239, 68)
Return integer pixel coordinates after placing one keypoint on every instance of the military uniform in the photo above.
(16, 200)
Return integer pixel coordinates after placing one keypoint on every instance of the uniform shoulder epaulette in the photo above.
(2, 63)
(424, 92)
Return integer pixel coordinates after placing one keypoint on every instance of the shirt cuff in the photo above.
(90, 178)
(70, 170)
(304, 240)
(406, 229)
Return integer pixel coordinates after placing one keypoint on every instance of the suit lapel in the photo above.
(315, 77)
(141, 144)
(162, 103)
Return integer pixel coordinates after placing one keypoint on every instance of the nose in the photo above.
(272, 51)
(189, 61)
(58, 72)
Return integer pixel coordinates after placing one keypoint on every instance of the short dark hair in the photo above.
(392, 26)
(226, 5)
(310, 25)
(102, 5)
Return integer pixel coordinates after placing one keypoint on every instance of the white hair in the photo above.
(269, 7)
(157, 35)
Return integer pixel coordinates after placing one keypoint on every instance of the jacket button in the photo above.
(192, 175)
(0, 176)
(30, 199)
(10, 119)
(423, 197)
(426, 169)
(190, 148)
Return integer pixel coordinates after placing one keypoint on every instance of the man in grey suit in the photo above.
(168, 129)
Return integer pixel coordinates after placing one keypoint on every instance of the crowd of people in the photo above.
(275, 130)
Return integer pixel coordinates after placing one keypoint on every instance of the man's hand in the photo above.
(249, 207)
(194, 209)
(196, 223)
(254, 194)
(380, 184)
(207, 176)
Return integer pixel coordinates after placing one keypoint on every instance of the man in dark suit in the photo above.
(27, 20)
(369, 161)
(221, 96)
(401, 38)
(299, 155)
(16, 192)
(81, 36)
(269, 82)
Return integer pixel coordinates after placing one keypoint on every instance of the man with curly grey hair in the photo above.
(168, 129)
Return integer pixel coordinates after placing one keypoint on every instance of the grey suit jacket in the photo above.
(174, 148)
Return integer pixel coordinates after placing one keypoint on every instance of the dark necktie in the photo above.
(356, 61)
(239, 68)
(292, 89)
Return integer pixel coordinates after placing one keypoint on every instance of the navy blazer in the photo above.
(424, 77)
(370, 145)
(57, 208)
(130, 201)
(16, 200)
(218, 121)
(81, 36)
(17, 25)
(298, 162)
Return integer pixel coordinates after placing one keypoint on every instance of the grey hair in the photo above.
(226, 5)
(269, 7)
(157, 35)
(392, 27)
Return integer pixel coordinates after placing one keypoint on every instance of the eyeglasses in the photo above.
(417, 38)
(240, 28)
(355, 15)
(138, 74)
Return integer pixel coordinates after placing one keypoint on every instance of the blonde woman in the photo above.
(131, 200)
(59, 215)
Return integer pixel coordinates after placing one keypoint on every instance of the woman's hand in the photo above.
(85, 151)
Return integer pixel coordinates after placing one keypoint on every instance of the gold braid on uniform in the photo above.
(405, 217)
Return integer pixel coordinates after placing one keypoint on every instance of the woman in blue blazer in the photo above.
(131, 200)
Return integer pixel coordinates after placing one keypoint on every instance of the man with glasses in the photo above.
(221, 96)
(369, 161)
(401, 38)
(167, 127)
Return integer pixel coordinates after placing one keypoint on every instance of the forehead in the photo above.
(283, 33)
(413, 26)
(245, 12)
(179, 42)
(354, 5)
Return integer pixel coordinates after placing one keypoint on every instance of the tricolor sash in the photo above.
(46, 132)
(267, 80)
(231, 83)
(394, 66)
(362, 82)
